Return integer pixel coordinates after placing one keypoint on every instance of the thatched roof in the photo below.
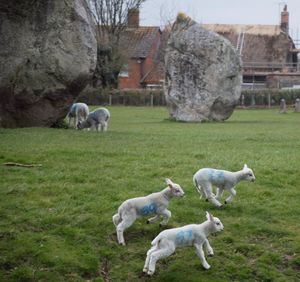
(264, 30)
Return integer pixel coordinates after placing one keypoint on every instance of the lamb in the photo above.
(205, 178)
(189, 235)
(78, 112)
(97, 119)
(155, 203)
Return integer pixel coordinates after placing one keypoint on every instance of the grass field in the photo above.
(56, 219)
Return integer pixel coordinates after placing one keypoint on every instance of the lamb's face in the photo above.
(79, 125)
(218, 224)
(249, 175)
(177, 191)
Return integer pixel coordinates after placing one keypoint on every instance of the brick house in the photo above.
(141, 45)
(268, 53)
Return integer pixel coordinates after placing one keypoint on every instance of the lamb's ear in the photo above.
(209, 216)
(245, 166)
(169, 182)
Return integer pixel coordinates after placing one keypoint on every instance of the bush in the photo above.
(137, 97)
(261, 97)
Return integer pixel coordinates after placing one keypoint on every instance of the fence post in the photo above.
(269, 100)
(109, 99)
(151, 99)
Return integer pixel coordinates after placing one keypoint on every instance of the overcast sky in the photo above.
(158, 12)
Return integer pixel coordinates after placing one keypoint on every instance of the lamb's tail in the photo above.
(116, 219)
(156, 240)
(198, 187)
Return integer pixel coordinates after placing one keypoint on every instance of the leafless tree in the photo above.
(111, 21)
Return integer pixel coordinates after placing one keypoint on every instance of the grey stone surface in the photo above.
(282, 106)
(203, 74)
(47, 55)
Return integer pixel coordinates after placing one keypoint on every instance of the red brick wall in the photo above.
(134, 77)
(137, 70)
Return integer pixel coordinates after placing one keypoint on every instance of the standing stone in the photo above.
(297, 106)
(282, 107)
(203, 73)
(47, 55)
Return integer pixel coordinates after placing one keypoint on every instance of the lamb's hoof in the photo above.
(211, 254)
(150, 272)
(145, 270)
(206, 266)
(225, 203)
(206, 200)
(160, 225)
(122, 243)
(222, 206)
(148, 221)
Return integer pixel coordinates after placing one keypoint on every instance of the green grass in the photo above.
(56, 220)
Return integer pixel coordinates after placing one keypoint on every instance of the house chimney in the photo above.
(133, 18)
(284, 23)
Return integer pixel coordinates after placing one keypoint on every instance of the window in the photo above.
(124, 71)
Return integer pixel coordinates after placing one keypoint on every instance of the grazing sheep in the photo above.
(78, 112)
(205, 178)
(189, 235)
(97, 119)
(155, 203)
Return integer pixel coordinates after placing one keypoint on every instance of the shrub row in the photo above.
(145, 97)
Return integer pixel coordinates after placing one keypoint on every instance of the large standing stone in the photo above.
(203, 73)
(47, 55)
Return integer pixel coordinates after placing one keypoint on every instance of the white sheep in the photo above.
(78, 112)
(189, 235)
(97, 120)
(205, 178)
(155, 203)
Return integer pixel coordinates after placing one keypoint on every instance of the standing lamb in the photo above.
(78, 112)
(155, 203)
(205, 178)
(189, 235)
(97, 119)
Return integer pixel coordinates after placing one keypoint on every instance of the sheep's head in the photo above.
(175, 188)
(248, 174)
(217, 224)
(80, 125)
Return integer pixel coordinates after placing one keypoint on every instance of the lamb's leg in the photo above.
(99, 127)
(232, 195)
(163, 251)
(124, 224)
(209, 249)
(104, 126)
(146, 266)
(75, 122)
(211, 197)
(200, 253)
(166, 215)
(201, 192)
(219, 193)
(153, 219)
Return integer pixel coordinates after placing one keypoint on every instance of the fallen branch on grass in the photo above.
(22, 165)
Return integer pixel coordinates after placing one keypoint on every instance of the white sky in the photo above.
(159, 12)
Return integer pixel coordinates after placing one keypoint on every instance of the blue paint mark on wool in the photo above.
(184, 237)
(216, 175)
(148, 209)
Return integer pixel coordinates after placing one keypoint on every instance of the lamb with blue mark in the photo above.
(78, 112)
(153, 204)
(97, 120)
(190, 235)
(205, 178)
